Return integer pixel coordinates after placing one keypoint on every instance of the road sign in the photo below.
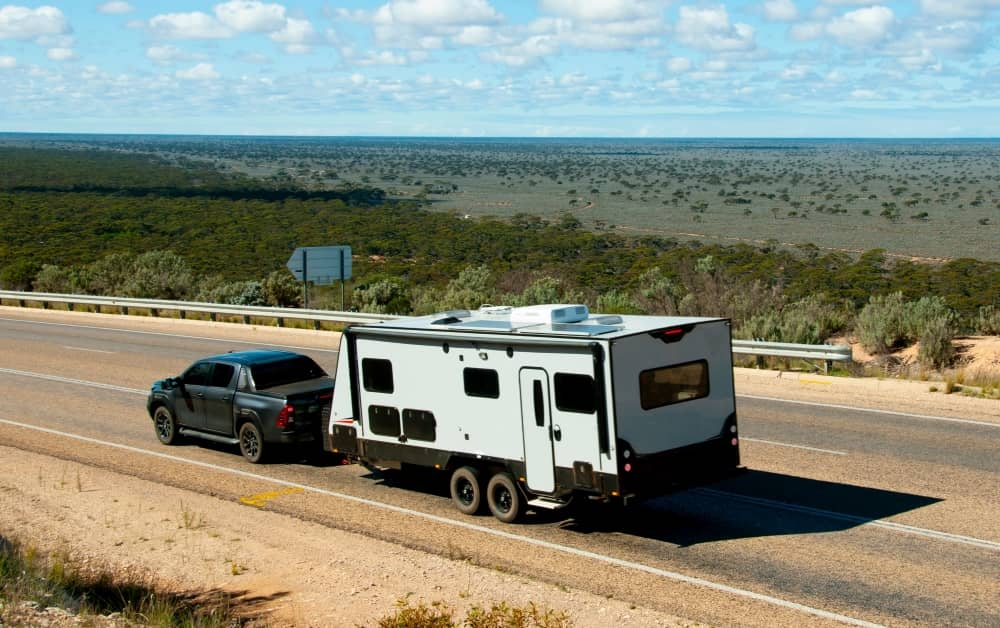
(321, 265)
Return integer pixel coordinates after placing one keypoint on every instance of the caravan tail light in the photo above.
(628, 466)
(673, 334)
(286, 416)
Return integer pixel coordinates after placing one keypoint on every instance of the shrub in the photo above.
(383, 296)
(936, 349)
(880, 324)
(159, 275)
(988, 321)
(923, 313)
(616, 302)
(19, 275)
(215, 290)
(281, 289)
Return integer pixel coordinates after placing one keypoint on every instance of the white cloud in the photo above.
(115, 8)
(297, 36)
(865, 94)
(250, 16)
(200, 72)
(60, 54)
(862, 27)
(196, 25)
(27, 24)
(168, 53)
(709, 29)
(475, 35)
(781, 11)
(384, 57)
(963, 9)
(526, 53)
(806, 31)
(7, 62)
(424, 23)
(604, 11)
(796, 72)
(678, 65)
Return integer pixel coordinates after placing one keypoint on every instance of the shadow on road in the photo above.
(752, 504)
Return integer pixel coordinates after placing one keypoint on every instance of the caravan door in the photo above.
(536, 419)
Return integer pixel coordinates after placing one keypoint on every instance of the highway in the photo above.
(842, 517)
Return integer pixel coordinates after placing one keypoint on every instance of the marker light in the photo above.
(628, 466)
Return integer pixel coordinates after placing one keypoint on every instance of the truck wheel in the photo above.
(165, 425)
(467, 490)
(251, 442)
(504, 499)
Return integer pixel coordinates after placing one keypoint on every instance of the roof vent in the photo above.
(549, 314)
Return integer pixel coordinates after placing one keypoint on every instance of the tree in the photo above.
(159, 275)
(19, 274)
(281, 289)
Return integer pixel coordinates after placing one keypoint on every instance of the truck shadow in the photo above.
(752, 504)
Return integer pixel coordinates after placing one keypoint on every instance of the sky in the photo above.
(503, 68)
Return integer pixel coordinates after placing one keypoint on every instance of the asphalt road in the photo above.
(842, 516)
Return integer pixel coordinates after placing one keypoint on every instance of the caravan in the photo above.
(527, 407)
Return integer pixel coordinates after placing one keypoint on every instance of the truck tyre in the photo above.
(504, 499)
(467, 490)
(251, 442)
(165, 425)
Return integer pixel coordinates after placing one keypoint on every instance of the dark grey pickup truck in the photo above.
(251, 398)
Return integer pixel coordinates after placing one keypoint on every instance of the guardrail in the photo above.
(824, 353)
(214, 310)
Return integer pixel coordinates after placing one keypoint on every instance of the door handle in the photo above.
(557, 432)
(201, 395)
(226, 398)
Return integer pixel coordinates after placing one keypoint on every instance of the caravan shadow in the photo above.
(752, 504)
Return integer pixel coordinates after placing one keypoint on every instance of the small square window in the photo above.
(575, 393)
(481, 383)
(377, 375)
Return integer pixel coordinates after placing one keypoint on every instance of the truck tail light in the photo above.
(286, 416)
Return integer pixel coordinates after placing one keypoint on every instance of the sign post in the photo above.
(322, 265)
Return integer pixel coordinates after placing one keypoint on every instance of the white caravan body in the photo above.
(562, 401)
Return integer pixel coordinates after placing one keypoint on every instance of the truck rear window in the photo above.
(672, 384)
(297, 369)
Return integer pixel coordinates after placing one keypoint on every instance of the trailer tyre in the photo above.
(504, 499)
(467, 490)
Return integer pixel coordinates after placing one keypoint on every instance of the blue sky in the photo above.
(567, 68)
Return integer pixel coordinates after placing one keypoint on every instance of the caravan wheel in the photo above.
(504, 499)
(467, 490)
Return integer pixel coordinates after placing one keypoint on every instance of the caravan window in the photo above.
(575, 393)
(673, 384)
(419, 425)
(377, 375)
(481, 383)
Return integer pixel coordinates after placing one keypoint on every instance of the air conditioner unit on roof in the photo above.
(549, 314)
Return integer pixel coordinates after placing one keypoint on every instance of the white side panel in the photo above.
(342, 410)
(425, 377)
(678, 424)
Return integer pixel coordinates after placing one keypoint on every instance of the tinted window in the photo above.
(419, 425)
(575, 393)
(222, 374)
(297, 369)
(197, 375)
(673, 384)
(383, 420)
(481, 383)
(377, 375)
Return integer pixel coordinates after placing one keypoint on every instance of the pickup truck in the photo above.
(251, 398)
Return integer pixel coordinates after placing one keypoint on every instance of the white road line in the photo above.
(69, 380)
(86, 349)
(806, 447)
(566, 549)
(835, 406)
(159, 333)
(854, 519)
